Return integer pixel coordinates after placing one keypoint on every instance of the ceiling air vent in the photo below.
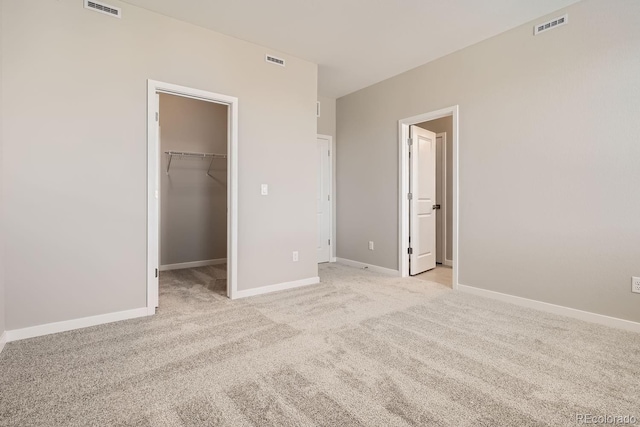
(275, 60)
(113, 11)
(550, 25)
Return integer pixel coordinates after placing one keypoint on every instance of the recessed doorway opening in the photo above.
(192, 187)
(325, 200)
(428, 197)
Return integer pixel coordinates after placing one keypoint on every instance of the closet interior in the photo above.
(193, 194)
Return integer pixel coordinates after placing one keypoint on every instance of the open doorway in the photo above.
(428, 196)
(193, 193)
(325, 205)
(192, 182)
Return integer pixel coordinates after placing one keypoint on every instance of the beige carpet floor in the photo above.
(359, 349)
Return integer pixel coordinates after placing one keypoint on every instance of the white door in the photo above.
(422, 187)
(441, 189)
(324, 201)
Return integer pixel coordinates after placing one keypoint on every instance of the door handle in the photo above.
(436, 207)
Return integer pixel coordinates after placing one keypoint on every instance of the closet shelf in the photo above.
(211, 156)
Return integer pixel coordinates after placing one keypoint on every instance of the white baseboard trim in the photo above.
(69, 325)
(334, 259)
(586, 316)
(3, 341)
(277, 287)
(192, 264)
(370, 267)
(448, 262)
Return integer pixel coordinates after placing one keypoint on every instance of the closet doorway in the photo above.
(449, 178)
(192, 185)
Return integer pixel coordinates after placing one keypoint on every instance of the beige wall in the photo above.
(75, 190)
(445, 125)
(549, 200)
(193, 218)
(327, 119)
(2, 242)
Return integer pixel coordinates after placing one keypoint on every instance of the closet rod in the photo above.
(212, 156)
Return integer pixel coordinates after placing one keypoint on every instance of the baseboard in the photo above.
(370, 267)
(3, 341)
(277, 287)
(448, 262)
(587, 316)
(334, 259)
(193, 264)
(69, 325)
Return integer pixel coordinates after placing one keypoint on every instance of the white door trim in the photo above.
(403, 179)
(560, 310)
(73, 324)
(153, 184)
(3, 341)
(332, 172)
(443, 179)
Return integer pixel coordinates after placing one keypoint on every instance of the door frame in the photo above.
(443, 208)
(332, 194)
(403, 179)
(153, 183)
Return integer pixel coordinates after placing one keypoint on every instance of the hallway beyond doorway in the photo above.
(441, 274)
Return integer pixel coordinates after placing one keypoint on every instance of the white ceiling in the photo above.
(357, 43)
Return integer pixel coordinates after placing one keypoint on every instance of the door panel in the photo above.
(440, 198)
(154, 288)
(422, 185)
(322, 201)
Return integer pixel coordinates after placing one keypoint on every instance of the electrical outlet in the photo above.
(264, 189)
(295, 256)
(635, 285)
(370, 245)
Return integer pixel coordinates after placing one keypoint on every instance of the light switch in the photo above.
(264, 190)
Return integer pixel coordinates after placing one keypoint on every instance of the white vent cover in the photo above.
(550, 25)
(275, 60)
(96, 6)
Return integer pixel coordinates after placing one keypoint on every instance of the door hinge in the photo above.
(329, 197)
(329, 153)
(410, 251)
(156, 272)
(329, 242)
(410, 196)
(157, 116)
(410, 142)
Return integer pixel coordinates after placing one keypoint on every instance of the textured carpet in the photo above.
(358, 349)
